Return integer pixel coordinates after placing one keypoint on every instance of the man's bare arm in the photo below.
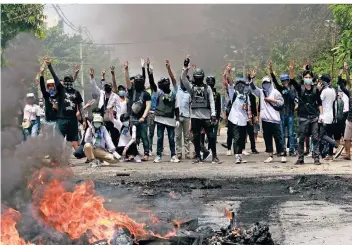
(127, 76)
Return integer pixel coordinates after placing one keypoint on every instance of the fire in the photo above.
(9, 233)
(80, 211)
(228, 214)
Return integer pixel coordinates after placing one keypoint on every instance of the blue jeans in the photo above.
(160, 128)
(142, 134)
(33, 130)
(288, 121)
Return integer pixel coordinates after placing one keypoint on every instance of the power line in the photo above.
(71, 25)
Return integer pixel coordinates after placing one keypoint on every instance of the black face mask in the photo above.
(198, 80)
(107, 89)
(139, 85)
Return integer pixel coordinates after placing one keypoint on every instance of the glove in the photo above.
(177, 124)
(116, 155)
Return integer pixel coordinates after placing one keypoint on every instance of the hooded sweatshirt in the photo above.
(267, 111)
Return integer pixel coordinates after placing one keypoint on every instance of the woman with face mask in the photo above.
(98, 145)
(127, 147)
(309, 109)
(31, 117)
(121, 92)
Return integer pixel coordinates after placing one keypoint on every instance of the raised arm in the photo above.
(143, 68)
(127, 76)
(171, 75)
(114, 85)
(151, 76)
(52, 72)
(342, 85)
(42, 83)
(292, 77)
(184, 79)
(75, 75)
(93, 82)
(273, 77)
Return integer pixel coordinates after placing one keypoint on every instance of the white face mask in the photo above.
(97, 124)
(126, 124)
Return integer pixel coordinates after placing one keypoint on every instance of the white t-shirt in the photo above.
(30, 112)
(126, 139)
(345, 101)
(328, 96)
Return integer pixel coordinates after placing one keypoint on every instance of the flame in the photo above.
(80, 211)
(9, 233)
(228, 214)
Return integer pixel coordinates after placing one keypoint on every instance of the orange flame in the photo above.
(9, 233)
(80, 211)
(228, 214)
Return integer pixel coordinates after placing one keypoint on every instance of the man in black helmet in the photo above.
(139, 104)
(69, 101)
(203, 114)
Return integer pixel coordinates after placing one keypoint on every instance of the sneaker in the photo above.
(269, 159)
(317, 162)
(228, 153)
(197, 160)
(245, 153)
(283, 159)
(242, 161)
(174, 159)
(145, 158)
(238, 159)
(216, 160)
(157, 159)
(137, 159)
(255, 151)
(150, 153)
(299, 162)
(206, 155)
(339, 151)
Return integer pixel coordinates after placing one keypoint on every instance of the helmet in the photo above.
(210, 80)
(68, 78)
(164, 80)
(198, 73)
(240, 80)
(284, 77)
(98, 118)
(138, 78)
(124, 117)
(266, 79)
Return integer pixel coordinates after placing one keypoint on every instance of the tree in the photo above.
(343, 18)
(16, 18)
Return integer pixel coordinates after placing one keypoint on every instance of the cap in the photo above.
(266, 79)
(50, 81)
(325, 78)
(98, 118)
(29, 95)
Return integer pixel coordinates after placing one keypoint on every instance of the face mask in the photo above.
(126, 124)
(107, 89)
(68, 84)
(198, 81)
(308, 81)
(122, 93)
(52, 92)
(96, 124)
(266, 86)
(139, 85)
(240, 89)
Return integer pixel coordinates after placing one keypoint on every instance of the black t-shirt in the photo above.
(50, 112)
(144, 96)
(68, 102)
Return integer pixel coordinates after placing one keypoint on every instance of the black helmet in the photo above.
(164, 80)
(138, 77)
(210, 80)
(68, 78)
(198, 73)
(124, 117)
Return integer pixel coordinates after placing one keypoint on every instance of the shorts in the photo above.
(68, 128)
(348, 131)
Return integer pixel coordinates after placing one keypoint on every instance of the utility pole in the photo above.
(82, 68)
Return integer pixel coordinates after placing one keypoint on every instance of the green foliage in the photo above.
(16, 18)
(343, 17)
(64, 51)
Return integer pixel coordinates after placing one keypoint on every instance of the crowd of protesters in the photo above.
(119, 122)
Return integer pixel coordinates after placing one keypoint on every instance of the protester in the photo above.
(69, 100)
(203, 113)
(107, 100)
(287, 113)
(31, 117)
(271, 103)
(240, 113)
(138, 106)
(183, 103)
(98, 145)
